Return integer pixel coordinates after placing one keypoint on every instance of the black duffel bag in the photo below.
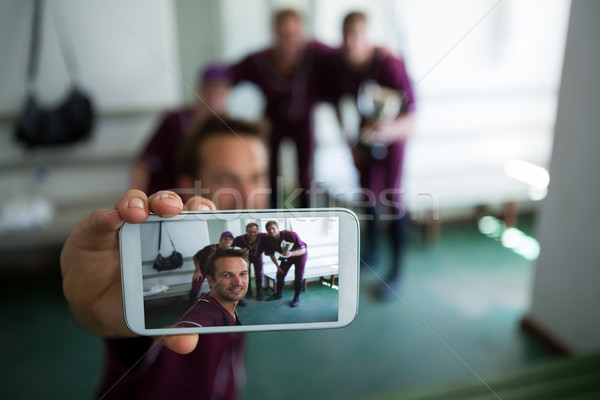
(174, 261)
(70, 121)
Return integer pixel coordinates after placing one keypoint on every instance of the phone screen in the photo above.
(310, 258)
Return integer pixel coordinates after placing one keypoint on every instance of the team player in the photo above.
(254, 241)
(296, 256)
(200, 366)
(227, 274)
(380, 169)
(289, 75)
(225, 242)
(156, 167)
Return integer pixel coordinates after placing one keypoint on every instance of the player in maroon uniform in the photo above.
(379, 166)
(228, 276)
(254, 241)
(289, 75)
(296, 256)
(225, 242)
(156, 167)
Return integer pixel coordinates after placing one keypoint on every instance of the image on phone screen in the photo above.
(292, 278)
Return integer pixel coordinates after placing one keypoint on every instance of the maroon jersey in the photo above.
(255, 249)
(290, 101)
(160, 152)
(384, 69)
(289, 236)
(201, 256)
(207, 311)
(142, 369)
(377, 175)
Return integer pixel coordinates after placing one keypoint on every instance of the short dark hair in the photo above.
(284, 14)
(271, 223)
(224, 253)
(189, 159)
(249, 224)
(352, 17)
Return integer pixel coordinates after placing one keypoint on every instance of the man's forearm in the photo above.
(298, 252)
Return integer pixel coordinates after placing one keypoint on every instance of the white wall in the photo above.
(200, 39)
(566, 293)
(125, 61)
(128, 62)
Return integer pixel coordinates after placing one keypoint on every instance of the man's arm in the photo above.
(244, 70)
(394, 76)
(197, 272)
(90, 264)
(274, 259)
(301, 246)
(390, 131)
(297, 252)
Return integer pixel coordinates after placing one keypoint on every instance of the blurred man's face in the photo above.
(273, 231)
(234, 169)
(226, 242)
(230, 282)
(289, 37)
(251, 233)
(355, 43)
(214, 96)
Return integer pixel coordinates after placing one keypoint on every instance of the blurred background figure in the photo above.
(288, 76)
(156, 167)
(386, 123)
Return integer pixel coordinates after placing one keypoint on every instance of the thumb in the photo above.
(181, 344)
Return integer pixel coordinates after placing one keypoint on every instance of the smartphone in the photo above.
(167, 290)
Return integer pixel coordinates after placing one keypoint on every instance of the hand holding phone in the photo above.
(90, 263)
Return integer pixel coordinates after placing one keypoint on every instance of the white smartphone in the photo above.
(167, 289)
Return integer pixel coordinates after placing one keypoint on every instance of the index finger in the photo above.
(165, 203)
(198, 203)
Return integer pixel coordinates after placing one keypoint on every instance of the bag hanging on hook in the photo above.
(171, 262)
(70, 121)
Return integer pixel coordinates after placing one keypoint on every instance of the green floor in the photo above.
(576, 378)
(456, 318)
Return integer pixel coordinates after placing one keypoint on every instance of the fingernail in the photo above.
(201, 207)
(136, 203)
(169, 200)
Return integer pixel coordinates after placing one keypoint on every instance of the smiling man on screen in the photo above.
(227, 274)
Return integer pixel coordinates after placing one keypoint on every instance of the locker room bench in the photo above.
(323, 273)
